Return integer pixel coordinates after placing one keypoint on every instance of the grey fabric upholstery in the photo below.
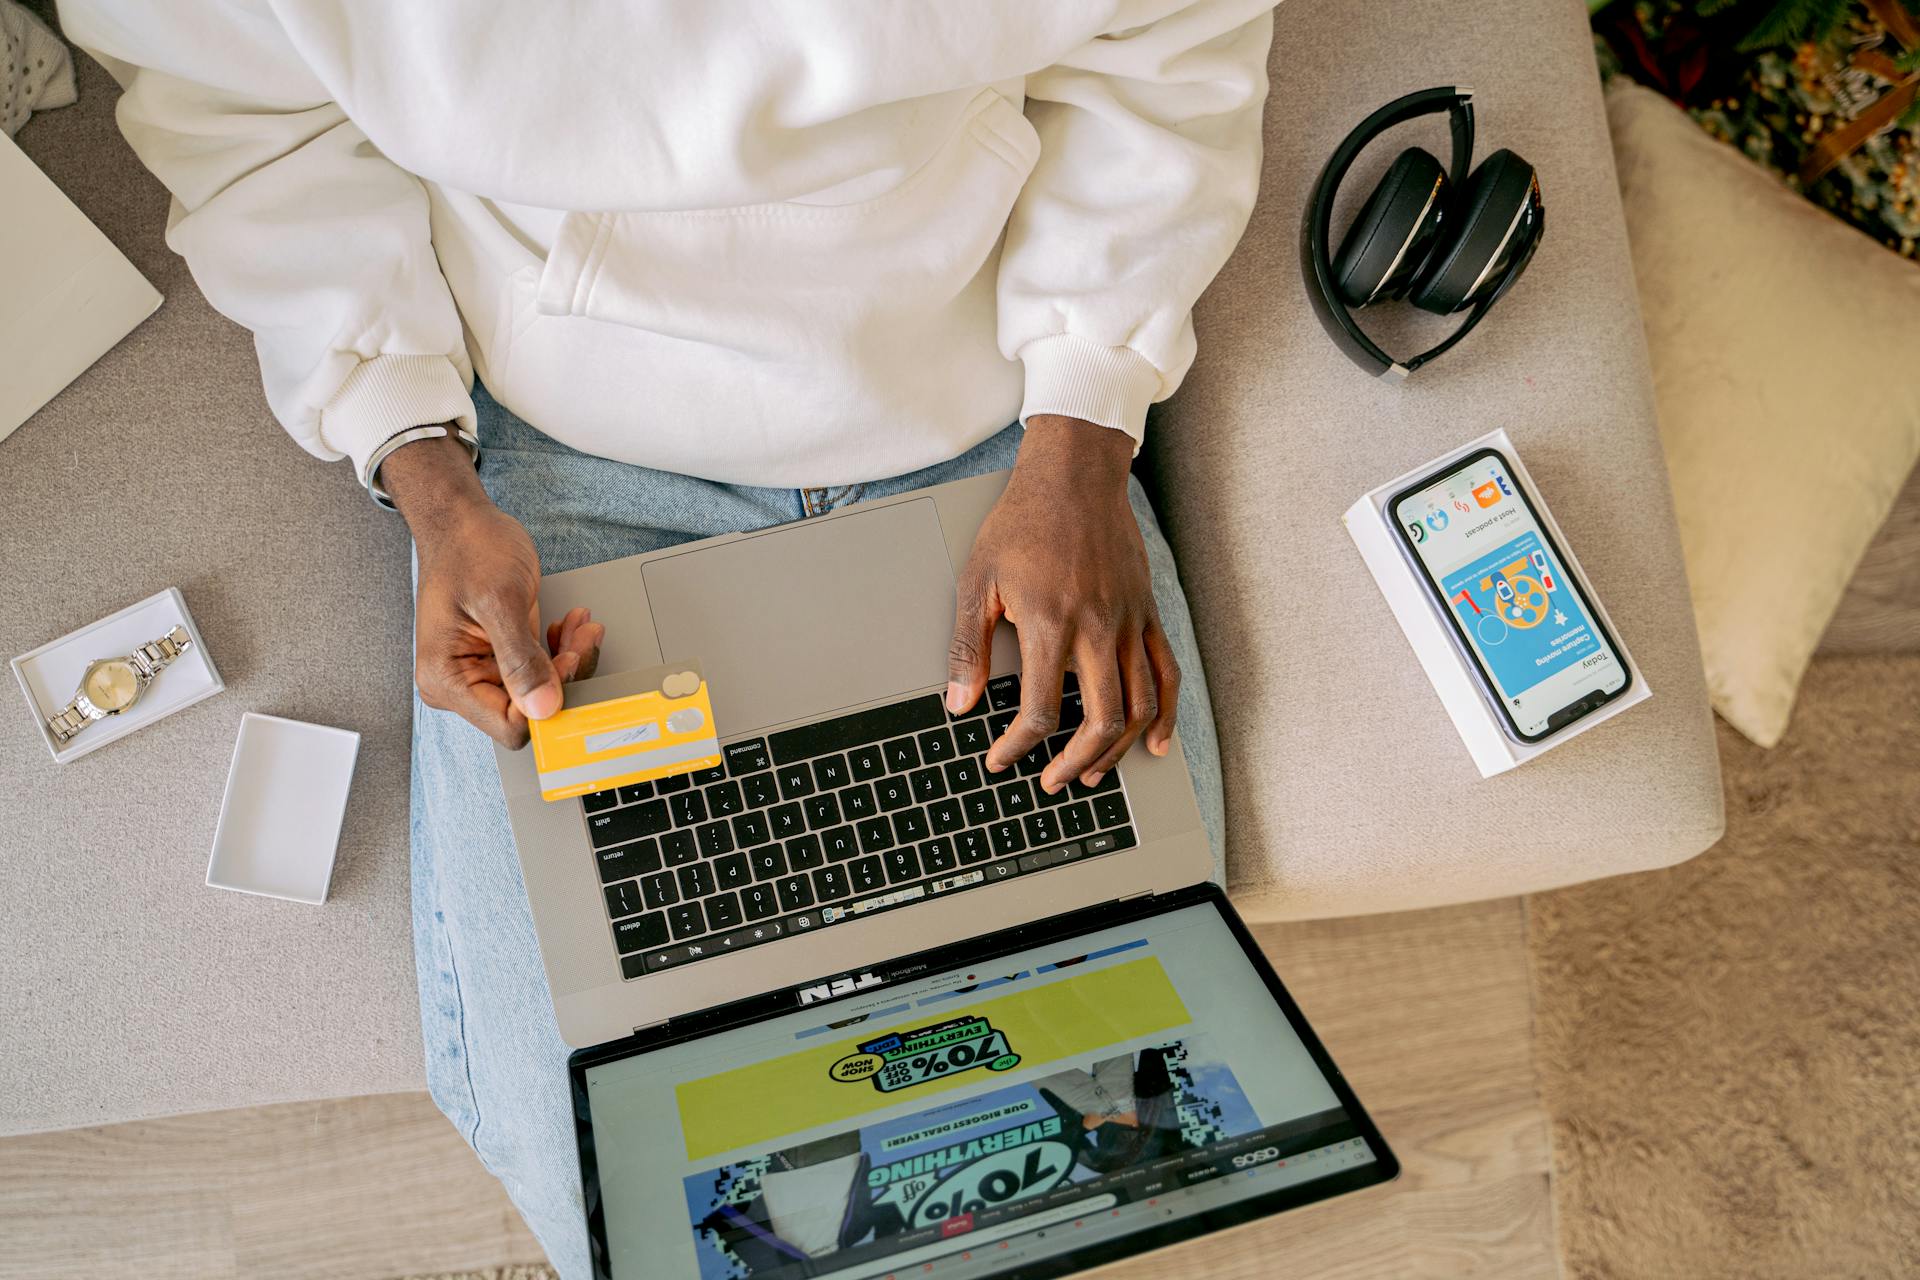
(1347, 789)
(133, 990)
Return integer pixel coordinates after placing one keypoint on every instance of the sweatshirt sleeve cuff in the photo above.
(1078, 378)
(389, 394)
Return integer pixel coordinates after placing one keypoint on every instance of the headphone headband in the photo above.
(1316, 240)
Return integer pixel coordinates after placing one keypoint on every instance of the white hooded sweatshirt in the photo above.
(780, 243)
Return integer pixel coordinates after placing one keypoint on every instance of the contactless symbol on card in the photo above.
(902, 1060)
(664, 730)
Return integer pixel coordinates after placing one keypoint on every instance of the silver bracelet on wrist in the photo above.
(378, 492)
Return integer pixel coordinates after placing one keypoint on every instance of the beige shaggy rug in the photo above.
(1729, 1050)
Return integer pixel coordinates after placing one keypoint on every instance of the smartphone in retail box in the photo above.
(1492, 599)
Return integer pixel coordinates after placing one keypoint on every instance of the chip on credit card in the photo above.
(664, 730)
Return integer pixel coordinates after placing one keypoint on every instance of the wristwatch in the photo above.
(111, 685)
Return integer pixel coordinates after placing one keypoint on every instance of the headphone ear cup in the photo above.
(1394, 232)
(1460, 269)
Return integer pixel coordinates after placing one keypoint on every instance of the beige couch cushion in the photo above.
(1786, 364)
(1347, 788)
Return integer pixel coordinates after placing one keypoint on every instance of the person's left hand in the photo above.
(1061, 558)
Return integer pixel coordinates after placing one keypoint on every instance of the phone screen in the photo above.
(1474, 532)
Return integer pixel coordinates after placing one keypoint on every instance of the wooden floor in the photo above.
(1429, 1014)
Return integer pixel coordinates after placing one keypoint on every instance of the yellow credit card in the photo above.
(665, 730)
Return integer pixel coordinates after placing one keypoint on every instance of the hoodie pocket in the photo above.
(775, 279)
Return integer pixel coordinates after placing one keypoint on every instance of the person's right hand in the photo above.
(477, 647)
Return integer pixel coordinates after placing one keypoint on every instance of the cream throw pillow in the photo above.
(1786, 365)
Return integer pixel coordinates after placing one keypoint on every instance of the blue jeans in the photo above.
(495, 1062)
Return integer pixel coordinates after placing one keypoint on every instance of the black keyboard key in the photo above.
(1111, 782)
(785, 821)
(707, 777)
(714, 839)
(902, 865)
(759, 790)
(747, 757)
(640, 932)
(936, 746)
(1041, 859)
(981, 807)
(635, 792)
(965, 775)
(689, 808)
(623, 899)
(1016, 797)
(1005, 869)
(866, 875)
(599, 800)
(937, 856)
(857, 802)
(946, 816)
(623, 862)
(805, 853)
(723, 911)
(723, 800)
(668, 786)
(875, 834)
(972, 846)
(1034, 761)
(768, 862)
(1045, 798)
(1043, 827)
(677, 848)
(750, 829)
(732, 871)
(839, 844)
(796, 780)
(1006, 838)
(1110, 810)
(759, 901)
(1072, 714)
(980, 707)
(999, 722)
(795, 893)
(894, 792)
(910, 826)
(686, 921)
(866, 763)
(695, 879)
(971, 738)
(858, 729)
(830, 774)
(1058, 742)
(1003, 693)
(831, 883)
(1076, 820)
(635, 822)
(658, 890)
(1109, 841)
(901, 754)
(822, 812)
(927, 784)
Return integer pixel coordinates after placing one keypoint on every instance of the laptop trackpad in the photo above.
(801, 621)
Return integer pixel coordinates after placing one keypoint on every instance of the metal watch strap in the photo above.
(67, 722)
(156, 654)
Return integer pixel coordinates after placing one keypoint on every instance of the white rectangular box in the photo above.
(49, 675)
(285, 801)
(1432, 636)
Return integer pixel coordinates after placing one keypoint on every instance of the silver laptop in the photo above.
(848, 1006)
(852, 822)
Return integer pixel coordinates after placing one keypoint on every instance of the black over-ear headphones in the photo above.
(1444, 243)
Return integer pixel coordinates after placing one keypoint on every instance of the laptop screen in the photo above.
(1104, 1093)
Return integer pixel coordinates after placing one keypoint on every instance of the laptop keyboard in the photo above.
(802, 829)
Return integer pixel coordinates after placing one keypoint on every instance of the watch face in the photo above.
(111, 685)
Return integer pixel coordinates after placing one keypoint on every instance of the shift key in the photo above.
(617, 826)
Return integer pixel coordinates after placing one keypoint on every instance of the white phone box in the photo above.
(49, 675)
(1430, 632)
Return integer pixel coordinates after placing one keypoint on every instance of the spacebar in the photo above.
(858, 729)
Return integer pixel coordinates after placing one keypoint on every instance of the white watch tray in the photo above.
(49, 675)
(280, 818)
